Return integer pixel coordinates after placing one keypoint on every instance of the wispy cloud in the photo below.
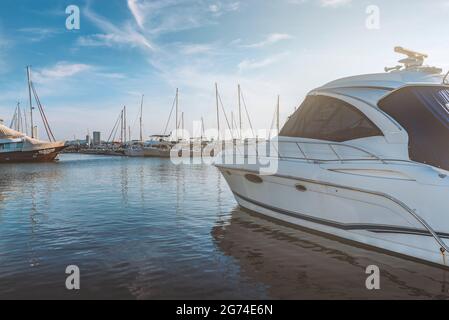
(334, 3)
(269, 40)
(249, 64)
(323, 3)
(190, 49)
(60, 71)
(218, 8)
(113, 35)
(137, 12)
(38, 34)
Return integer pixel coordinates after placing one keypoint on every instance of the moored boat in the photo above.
(364, 158)
(17, 147)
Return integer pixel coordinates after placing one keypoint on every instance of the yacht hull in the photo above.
(42, 155)
(372, 219)
(156, 153)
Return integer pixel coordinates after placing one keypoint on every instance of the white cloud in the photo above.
(219, 8)
(269, 40)
(59, 71)
(124, 35)
(334, 3)
(137, 12)
(249, 64)
(191, 49)
(39, 34)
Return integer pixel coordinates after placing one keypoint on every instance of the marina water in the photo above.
(142, 228)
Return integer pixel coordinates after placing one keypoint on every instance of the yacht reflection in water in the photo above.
(295, 264)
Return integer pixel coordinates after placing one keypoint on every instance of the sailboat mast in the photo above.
(124, 123)
(277, 114)
(202, 128)
(240, 110)
(19, 118)
(31, 101)
(182, 125)
(121, 127)
(141, 115)
(176, 116)
(218, 111)
(26, 121)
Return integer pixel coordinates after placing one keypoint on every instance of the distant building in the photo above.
(97, 138)
(88, 142)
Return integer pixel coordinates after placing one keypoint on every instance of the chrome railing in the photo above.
(302, 153)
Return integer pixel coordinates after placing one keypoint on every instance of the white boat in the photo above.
(365, 158)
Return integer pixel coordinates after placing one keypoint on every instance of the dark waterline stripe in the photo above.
(343, 226)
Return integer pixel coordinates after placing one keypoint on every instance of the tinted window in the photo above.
(424, 113)
(327, 118)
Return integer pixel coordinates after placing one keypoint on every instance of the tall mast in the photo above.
(124, 123)
(218, 111)
(26, 121)
(141, 115)
(277, 114)
(240, 111)
(202, 128)
(182, 125)
(19, 118)
(121, 127)
(31, 101)
(177, 108)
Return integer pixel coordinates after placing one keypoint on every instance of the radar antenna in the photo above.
(413, 62)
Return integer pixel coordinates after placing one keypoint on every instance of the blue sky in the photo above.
(126, 48)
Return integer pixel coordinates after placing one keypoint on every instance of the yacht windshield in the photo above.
(424, 113)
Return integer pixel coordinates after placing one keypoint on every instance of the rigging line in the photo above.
(13, 118)
(224, 112)
(236, 128)
(41, 111)
(272, 125)
(169, 117)
(113, 128)
(134, 124)
(247, 114)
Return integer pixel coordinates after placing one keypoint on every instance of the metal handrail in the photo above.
(331, 146)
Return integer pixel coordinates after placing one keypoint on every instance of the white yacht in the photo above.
(365, 158)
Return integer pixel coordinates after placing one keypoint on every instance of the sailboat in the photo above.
(135, 148)
(159, 145)
(16, 146)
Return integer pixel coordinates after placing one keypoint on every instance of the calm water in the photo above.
(146, 229)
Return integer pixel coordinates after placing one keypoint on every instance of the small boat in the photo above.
(364, 158)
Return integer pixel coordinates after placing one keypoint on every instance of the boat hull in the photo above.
(367, 218)
(42, 155)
